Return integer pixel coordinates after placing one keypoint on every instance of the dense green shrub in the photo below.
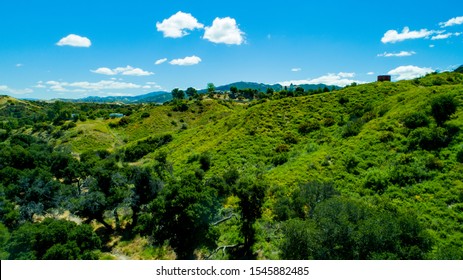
(205, 161)
(53, 239)
(300, 239)
(376, 180)
(290, 138)
(307, 127)
(442, 107)
(183, 214)
(124, 121)
(145, 115)
(142, 148)
(343, 100)
(68, 125)
(429, 138)
(345, 229)
(459, 69)
(415, 120)
(460, 156)
(303, 200)
(407, 170)
(329, 122)
(136, 152)
(386, 137)
(279, 159)
(180, 107)
(352, 128)
(282, 148)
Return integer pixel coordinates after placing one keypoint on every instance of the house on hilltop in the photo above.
(384, 78)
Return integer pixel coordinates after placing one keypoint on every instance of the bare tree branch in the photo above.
(223, 248)
(224, 219)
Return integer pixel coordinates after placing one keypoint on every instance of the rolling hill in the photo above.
(163, 96)
(392, 147)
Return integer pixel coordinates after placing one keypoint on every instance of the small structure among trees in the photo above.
(384, 78)
(116, 115)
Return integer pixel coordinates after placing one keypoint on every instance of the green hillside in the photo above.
(368, 171)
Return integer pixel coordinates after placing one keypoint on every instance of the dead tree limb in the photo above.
(224, 219)
(223, 248)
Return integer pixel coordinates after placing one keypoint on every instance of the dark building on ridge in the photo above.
(384, 78)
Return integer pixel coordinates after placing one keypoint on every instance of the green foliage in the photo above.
(180, 106)
(304, 199)
(124, 121)
(144, 147)
(282, 148)
(415, 120)
(210, 88)
(408, 169)
(352, 128)
(328, 122)
(429, 138)
(53, 239)
(290, 138)
(376, 180)
(4, 238)
(442, 107)
(231, 176)
(402, 153)
(307, 127)
(68, 125)
(343, 100)
(205, 161)
(191, 92)
(251, 194)
(279, 159)
(178, 94)
(182, 214)
(301, 239)
(460, 156)
(145, 115)
(347, 229)
(459, 69)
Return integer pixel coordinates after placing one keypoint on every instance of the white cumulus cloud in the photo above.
(104, 71)
(296, 70)
(126, 71)
(160, 61)
(392, 36)
(341, 79)
(187, 61)
(443, 36)
(399, 54)
(409, 72)
(177, 25)
(75, 41)
(6, 89)
(85, 86)
(452, 21)
(225, 31)
(152, 85)
(130, 71)
(346, 75)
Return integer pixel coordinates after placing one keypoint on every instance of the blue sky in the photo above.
(73, 49)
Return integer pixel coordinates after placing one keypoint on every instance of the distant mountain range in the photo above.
(264, 87)
(152, 97)
(163, 96)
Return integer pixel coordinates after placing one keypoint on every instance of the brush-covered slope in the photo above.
(377, 139)
(394, 144)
